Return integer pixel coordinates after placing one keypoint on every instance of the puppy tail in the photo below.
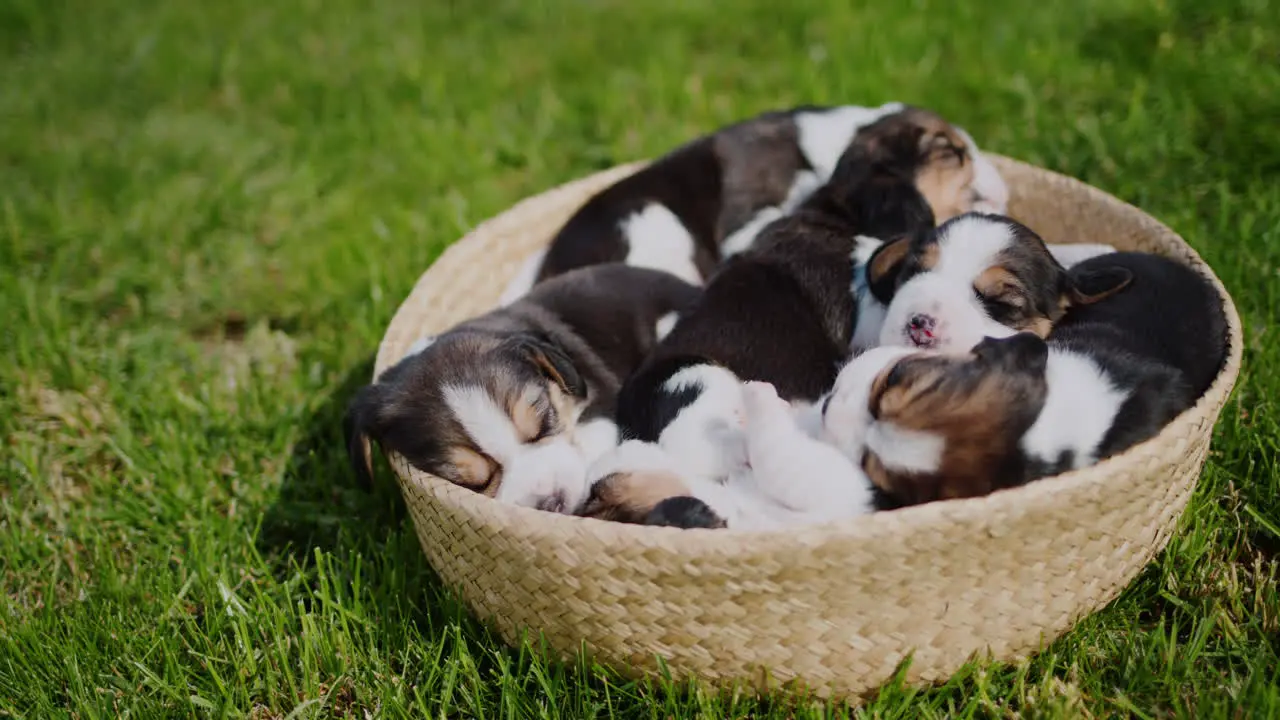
(356, 427)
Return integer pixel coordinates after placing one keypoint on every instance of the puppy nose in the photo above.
(920, 328)
(553, 502)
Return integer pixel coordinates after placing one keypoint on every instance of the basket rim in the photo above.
(1039, 496)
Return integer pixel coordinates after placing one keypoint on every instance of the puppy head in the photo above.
(942, 160)
(978, 276)
(844, 410)
(988, 192)
(948, 426)
(469, 406)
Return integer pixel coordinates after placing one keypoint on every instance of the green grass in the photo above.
(209, 212)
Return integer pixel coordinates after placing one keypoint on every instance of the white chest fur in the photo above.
(1079, 410)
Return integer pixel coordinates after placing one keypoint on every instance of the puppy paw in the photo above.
(628, 487)
(684, 512)
(760, 399)
(730, 444)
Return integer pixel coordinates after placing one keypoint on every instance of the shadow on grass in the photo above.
(368, 534)
(321, 505)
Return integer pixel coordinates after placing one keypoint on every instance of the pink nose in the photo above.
(920, 329)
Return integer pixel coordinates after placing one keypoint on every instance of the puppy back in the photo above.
(1168, 314)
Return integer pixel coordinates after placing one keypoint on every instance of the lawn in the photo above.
(210, 211)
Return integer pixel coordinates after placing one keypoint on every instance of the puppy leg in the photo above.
(639, 482)
(796, 470)
(808, 416)
(704, 437)
(1068, 254)
(595, 438)
(627, 482)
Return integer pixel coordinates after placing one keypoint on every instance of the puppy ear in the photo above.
(883, 267)
(359, 420)
(1024, 352)
(888, 378)
(554, 364)
(1091, 283)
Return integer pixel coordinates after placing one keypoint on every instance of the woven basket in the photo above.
(831, 609)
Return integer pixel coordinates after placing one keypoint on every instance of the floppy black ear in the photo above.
(554, 364)
(360, 419)
(1090, 283)
(883, 267)
(1023, 352)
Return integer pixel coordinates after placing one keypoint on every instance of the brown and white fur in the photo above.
(785, 478)
(786, 311)
(790, 311)
(1016, 409)
(976, 275)
(709, 199)
(516, 403)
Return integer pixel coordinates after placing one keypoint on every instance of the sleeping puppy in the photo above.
(710, 198)
(786, 311)
(1112, 374)
(975, 276)
(786, 478)
(516, 403)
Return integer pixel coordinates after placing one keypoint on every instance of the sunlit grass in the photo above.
(209, 212)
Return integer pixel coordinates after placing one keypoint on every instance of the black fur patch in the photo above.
(585, 331)
(714, 185)
(1168, 313)
(645, 407)
(683, 512)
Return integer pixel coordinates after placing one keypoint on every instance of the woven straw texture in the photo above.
(831, 609)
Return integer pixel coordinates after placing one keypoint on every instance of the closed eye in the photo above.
(1003, 305)
(474, 470)
(494, 476)
(547, 426)
(947, 151)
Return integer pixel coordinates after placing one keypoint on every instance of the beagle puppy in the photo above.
(786, 478)
(1111, 374)
(709, 199)
(976, 275)
(786, 312)
(517, 402)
